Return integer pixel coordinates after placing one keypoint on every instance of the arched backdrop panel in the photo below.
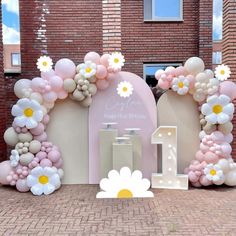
(181, 111)
(137, 111)
(68, 128)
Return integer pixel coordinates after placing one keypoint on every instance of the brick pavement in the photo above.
(74, 210)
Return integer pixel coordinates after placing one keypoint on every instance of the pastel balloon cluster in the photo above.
(213, 163)
(92, 75)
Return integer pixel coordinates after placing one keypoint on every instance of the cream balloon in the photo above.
(37, 96)
(194, 65)
(69, 85)
(11, 137)
(34, 146)
(230, 178)
(21, 86)
(25, 137)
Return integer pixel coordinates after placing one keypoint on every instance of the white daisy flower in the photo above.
(44, 64)
(125, 89)
(116, 61)
(213, 172)
(14, 158)
(180, 85)
(43, 180)
(218, 109)
(87, 69)
(124, 185)
(222, 72)
(27, 113)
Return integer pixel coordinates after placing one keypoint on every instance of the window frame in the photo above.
(19, 57)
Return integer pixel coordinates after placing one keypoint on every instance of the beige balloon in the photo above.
(11, 137)
(194, 65)
(26, 137)
(78, 96)
(226, 128)
(92, 89)
(25, 159)
(69, 85)
(35, 146)
(86, 102)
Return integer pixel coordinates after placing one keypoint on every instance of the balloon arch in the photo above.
(35, 163)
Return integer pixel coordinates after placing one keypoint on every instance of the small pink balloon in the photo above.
(46, 163)
(102, 84)
(217, 136)
(5, 170)
(58, 164)
(228, 88)
(204, 181)
(48, 74)
(46, 119)
(192, 177)
(42, 137)
(93, 57)
(191, 80)
(169, 78)
(62, 94)
(101, 72)
(50, 96)
(37, 84)
(38, 129)
(104, 60)
(65, 68)
(163, 84)
(41, 155)
(180, 71)
(203, 148)
(170, 70)
(226, 148)
(21, 185)
(159, 73)
(56, 83)
(196, 184)
(199, 156)
(211, 157)
(54, 156)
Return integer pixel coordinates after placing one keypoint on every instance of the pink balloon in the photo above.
(46, 163)
(46, 119)
(204, 181)
(228, 88)
(38, 129)
(196, 184)
(38, 84)
(58, 164)
(180, 71)
(163, 84)
(56, 82)
(191, 80)
(226, 148)
(62, 94)
(170, 70)
(54, 156)
(104, 60)
(21, 185)
(200, 156)
(41, 138)
(50, 96)
(92, 56)
(48, 74)
(102, 84)
(159, 73)
(5, 169)
(211, 157)
(41, 155)
(192, 177)
(218, 136)
(65, 68)
(101, 72)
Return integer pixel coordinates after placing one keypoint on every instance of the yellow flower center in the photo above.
(43, 179)
(28, 112)
(124, 193)
(45, 63)
(180, 84)
(217, 109)
(88, 69)
(125, 89)
(116, 60)
(222, 72)
(213, 172)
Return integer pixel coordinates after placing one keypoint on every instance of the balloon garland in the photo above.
(213, 162)
(35, 163)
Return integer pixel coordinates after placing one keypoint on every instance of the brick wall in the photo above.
(159, 42)
(229, 46)
(2, 100)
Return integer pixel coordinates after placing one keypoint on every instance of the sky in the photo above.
(11, 24)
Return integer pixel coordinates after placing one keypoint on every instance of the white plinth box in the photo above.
(106, 138)
(122, 155)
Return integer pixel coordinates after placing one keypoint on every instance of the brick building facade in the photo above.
(72, 28)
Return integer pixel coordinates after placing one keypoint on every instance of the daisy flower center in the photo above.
(116, 60)
(45, 63)
(213, 172)
(124, 193)
(180, 84)
(28, 112)
(88, 69)
(43, 179)
(217, 109)
(125, 89)
(222, 72)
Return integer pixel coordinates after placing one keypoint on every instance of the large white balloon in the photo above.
(194, 65)
(230, 178)
(22, 88)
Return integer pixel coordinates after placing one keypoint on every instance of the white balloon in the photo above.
(230, 178)
(194, 65)
(220, 181)
(209, 73)
(224, 165)
(37, 97)
(21, 86)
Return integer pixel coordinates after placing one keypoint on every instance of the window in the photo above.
(160, 10)
(149, 71)
(217, 58)
(15, 59)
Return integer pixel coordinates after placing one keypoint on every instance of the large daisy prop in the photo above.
(125, 89)
(27, 113)
(222, 72)
(44, 64)
(43, 180)
(218, 109)
(87, 69)
(180, 85)
(116, 61)
(124, 185)
(213, 172)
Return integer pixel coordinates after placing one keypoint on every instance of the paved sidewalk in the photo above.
(74, 210)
